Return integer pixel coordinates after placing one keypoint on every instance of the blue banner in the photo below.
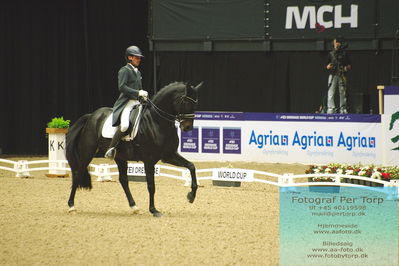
(297, 117)
(189, 140)
(210, 140)
(232, 140)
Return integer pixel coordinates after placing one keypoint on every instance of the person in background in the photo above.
(338, 65)
(130, 87)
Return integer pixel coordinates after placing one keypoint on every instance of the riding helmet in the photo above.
(133, 50)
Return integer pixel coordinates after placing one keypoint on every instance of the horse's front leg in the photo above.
(178, 160)
(149, 172)
(122, 168)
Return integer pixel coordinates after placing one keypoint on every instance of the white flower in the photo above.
(340, 171)
(361, 173)
(349, 172)
(327, 170)
(376, 175)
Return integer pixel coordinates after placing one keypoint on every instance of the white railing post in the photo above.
(22, 169)
(103, 172)
(286, 180)
(187, 177)
(395, 183)
(337, 179)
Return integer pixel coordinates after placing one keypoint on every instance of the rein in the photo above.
(172, 118)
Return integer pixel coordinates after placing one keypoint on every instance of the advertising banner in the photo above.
(246, 20)
(231, 140)
(308, 141)
(287, 138)
(210, 140)
(293, 19)
(231, 174)
(391, 125)
(189, 140)
(137, 169)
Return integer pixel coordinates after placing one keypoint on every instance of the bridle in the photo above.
(179, 117)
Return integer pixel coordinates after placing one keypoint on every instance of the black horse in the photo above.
(156, 140)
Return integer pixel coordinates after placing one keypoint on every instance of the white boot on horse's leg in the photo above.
(135, 209)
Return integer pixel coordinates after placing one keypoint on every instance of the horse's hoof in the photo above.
(156, 213)
(72, 210)
(135, 209)
(190, 197)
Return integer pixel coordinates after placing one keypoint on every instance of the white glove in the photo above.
(144, 94)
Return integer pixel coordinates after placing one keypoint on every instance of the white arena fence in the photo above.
(104, 172)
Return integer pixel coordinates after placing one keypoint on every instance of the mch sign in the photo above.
(329, 16)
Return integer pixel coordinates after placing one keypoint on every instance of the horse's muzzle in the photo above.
(186, 124)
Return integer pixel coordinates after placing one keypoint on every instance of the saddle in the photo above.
(108, 130)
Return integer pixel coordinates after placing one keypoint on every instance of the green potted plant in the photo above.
(58, 125)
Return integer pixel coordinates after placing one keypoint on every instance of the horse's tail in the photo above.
(80, 175)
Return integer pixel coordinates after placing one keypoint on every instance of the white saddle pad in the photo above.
(108, 130)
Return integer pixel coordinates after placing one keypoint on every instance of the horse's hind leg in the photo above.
(122, 168)
(71, 201)
(80, 175)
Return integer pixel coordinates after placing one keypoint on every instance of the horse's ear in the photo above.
(198, 86)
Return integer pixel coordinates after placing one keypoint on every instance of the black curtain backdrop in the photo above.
(273, 82)
(61, 58)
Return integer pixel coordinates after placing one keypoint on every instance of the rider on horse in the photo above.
(130, 87)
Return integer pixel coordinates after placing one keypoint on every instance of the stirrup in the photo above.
(110, 154)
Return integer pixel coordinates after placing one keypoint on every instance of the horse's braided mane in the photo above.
(171, 86)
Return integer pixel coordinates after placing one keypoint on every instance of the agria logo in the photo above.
(394, 117)
(314, 139)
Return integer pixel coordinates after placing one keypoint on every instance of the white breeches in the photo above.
(126, 114)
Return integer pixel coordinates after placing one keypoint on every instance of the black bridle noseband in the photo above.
(170, 117)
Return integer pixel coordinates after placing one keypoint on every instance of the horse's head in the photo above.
(185, 105)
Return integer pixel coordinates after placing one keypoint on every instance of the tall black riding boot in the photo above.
(111, 152)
